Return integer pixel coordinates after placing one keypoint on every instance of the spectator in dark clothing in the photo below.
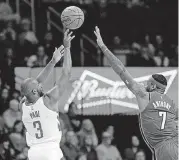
(26, 42)
(7, 68)
(49, 44)
(129, 154)
(174, 60)
(119, 49)
(18, 127)
(6, 150)
(16, 95)
(110, 129)
(88, 151)
(102, 17)
(69, 121)
(74, 118)
(23, 155)
(0, 82)
(10, 32)
(4, 43)
(70, 149)
(147, 43)
(145, 59)
(39, 60)
(132, 60)
(4, 100)
(161, 45)
(2, 124)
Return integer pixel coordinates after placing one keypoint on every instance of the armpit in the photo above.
(139, 90)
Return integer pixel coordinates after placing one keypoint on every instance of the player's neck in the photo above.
(31, 100)
(161, 91)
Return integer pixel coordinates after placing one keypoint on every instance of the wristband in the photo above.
(67, 48)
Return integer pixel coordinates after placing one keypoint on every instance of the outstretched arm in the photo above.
(60, 86)
(137, 89)
(57, 55)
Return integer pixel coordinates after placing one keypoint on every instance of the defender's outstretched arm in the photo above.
(119, 68)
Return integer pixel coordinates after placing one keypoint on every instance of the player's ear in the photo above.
(34, 91)
(154, 86)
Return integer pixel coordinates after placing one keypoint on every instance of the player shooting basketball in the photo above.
(40, 110)
(157, 111)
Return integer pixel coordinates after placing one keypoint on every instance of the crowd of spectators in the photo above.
(135, 37)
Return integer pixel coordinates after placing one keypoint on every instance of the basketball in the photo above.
(72, 17)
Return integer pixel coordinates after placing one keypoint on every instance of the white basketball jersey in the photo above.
(41, 123)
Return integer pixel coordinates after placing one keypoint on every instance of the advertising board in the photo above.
(99, 90)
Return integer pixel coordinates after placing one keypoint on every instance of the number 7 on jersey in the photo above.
(164, 116)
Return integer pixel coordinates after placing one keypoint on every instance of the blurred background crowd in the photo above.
(139, 32)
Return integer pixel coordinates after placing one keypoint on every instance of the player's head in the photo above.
(156, 82)
(31, 88)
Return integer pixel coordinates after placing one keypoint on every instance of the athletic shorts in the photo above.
(168, 150)
(46, 151)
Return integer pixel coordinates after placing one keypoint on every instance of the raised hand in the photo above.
(98, 36)
(67, 38)
(58, 54)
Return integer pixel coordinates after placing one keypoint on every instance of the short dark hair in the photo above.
(71, 105)
(160, 78)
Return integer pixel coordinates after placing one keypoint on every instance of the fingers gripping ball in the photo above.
(72, 17)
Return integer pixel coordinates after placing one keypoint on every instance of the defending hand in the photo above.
(98, 36)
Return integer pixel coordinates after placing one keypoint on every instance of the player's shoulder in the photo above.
(140, 90)
(49, 103)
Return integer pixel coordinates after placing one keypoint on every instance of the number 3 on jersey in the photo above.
(164, 117)
(37, 125)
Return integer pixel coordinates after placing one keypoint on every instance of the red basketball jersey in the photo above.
(157, 121)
